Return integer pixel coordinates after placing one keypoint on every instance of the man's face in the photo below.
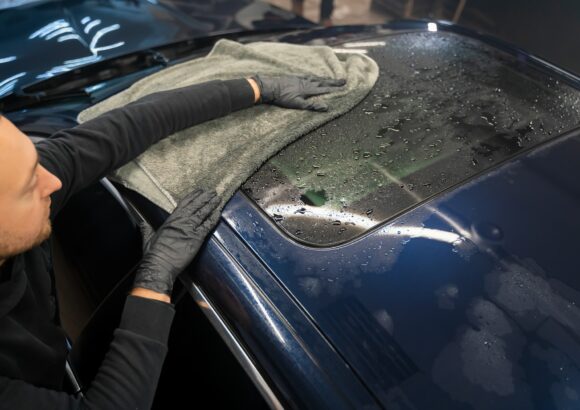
(25, 189)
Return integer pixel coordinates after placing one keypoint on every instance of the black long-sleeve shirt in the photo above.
(32, 345)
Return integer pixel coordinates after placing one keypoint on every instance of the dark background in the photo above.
(547, 28)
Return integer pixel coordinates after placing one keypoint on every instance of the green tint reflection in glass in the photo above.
(325, 181)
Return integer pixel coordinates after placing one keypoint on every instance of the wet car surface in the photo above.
(445, 108)
(448, 306)
(450, 291)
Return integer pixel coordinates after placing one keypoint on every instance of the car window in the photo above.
(445, 108)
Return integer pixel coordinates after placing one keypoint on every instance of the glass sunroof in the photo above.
(445, 108)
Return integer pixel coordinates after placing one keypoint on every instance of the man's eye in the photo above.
(33, 184)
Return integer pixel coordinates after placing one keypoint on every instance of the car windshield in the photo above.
(444, 109)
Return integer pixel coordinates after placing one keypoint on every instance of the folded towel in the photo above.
(221, 154)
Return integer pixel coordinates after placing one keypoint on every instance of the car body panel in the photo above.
(470, 299)
(302, 367)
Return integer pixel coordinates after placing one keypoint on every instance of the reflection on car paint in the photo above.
(520, 302)
(486, 320)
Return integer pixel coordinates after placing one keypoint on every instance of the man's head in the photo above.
(25, 189)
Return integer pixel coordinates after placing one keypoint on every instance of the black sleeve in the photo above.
(128, 376)
(82, 155)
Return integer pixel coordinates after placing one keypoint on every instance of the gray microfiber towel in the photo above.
(222, 153)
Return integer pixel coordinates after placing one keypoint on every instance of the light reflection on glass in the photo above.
(49, 28)
(349, 51)
(432, 27)
(92, 24)
(7, 59)
(62, 31)
(355, 44)
(8, 84)
(69, 65)
(58, 32)
(101, 33)
(93, 88)
(69, 37)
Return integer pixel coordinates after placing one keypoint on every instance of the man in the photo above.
(326, 8)
(35, 183)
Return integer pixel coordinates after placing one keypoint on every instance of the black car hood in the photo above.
(43, 39)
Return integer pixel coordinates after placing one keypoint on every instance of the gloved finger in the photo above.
(315, 106)
(201, 234)
(319, 107)
(328, 82)
(206, 207)
(319, 91)
(189, 198)
(191, 204)
(206, 227)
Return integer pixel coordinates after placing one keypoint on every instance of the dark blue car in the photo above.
(418, 252)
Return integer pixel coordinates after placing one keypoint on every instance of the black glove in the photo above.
(292, 91)
(176, 242)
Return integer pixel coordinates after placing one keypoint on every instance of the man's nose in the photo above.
(51, 182)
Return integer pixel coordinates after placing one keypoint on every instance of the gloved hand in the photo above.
(176, 242)
(292, 91)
